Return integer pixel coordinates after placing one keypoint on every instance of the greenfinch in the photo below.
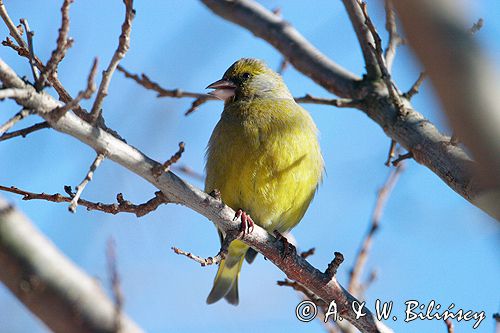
(264, 159)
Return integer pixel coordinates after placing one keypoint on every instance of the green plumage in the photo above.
(263, 157)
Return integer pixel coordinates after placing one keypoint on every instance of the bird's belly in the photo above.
(273, 187)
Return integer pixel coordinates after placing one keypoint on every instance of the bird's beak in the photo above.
(224, 89)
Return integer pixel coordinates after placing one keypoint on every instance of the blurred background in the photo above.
(432, 244)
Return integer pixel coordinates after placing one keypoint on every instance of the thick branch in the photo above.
(294, 266)
(465, 80)
(51, 286)
(284, 37)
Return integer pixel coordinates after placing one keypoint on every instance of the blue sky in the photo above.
(432, 244)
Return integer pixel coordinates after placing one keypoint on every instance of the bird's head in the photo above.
(249, 79)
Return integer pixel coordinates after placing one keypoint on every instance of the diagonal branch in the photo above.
(123, 46)
(365, 38)
(49, 284)
(294, 266)
(285, 38)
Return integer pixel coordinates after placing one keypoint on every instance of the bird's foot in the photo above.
(247, 223)
(288, 248)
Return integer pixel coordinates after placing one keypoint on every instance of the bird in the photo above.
(264, 159)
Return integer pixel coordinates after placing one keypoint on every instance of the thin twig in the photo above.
(123, 46)
(63, 44)
(123, 206)
(14, 32)
(392, 152)
(365, 38)
(173, 159)
(416, 86)
(114, 278)
(334, 265)
(308, 253)
(228, 238)
(86, 180)
(84, 94)
(201, 98)
(17, 117)
(394, 38)
(377, 51)
(402, 158)
(449, 326)
(25, 131)
(31, 58)
(476, 26)
(189, 171)
(382, 197)
(147, 83)
(338, 102)
(196, 104)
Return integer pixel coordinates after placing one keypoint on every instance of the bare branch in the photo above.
(437, 33)
(201, 98)
(392, 152)
(49, 284)
(123, 46)
(188, 171)
(331, 271)
(14, 32)
(341, 102)
(173, 159)
(114, 278)
(63, 44)
(221, 255)
(401, 158)
(394, 38)
(377, 51)
(22, 50)
(31, 54)
(17, 117)
(382, 197)
(415, 87)
(84, 94)
(365, 38)
(123, 206)
(85, 181)
(25, 131)
(294, 47)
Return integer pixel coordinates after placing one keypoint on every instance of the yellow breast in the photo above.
(264, 157)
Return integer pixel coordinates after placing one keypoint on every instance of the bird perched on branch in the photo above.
(263, 157)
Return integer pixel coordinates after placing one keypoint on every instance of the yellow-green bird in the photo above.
(263, 157)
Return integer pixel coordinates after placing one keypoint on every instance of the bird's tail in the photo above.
(226, 280)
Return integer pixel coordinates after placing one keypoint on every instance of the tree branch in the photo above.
(49, 284)
(123, 46)
(294, 266)
(365, 38)
(122, 206)
(294, 47)
(465, 80)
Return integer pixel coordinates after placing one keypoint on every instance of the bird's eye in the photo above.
(245, 76)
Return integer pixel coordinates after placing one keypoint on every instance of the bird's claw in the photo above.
(247, 224)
